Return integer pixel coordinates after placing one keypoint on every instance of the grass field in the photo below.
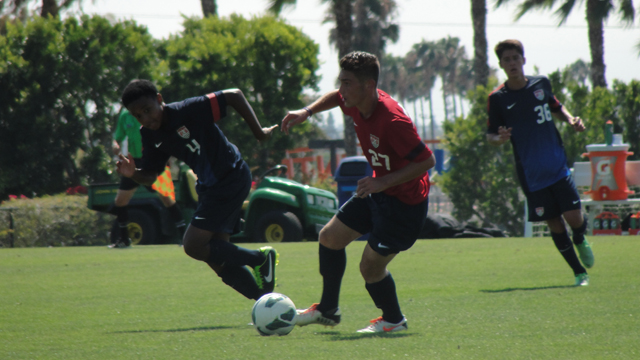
(465, 299)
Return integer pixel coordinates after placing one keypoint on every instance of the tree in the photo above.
(209, 7)
(48, 7)
(482, 182)
(480, 59)
(360, 25)
(597, 11)
(57, 114)
(270, 61)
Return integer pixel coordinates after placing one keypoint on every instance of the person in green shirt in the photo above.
(127, 140)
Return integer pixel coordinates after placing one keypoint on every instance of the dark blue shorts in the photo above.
(129, 184)
(552, 201)
(394, 225)
(220, 206)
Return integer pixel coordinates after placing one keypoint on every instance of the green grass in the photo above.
(464, 299)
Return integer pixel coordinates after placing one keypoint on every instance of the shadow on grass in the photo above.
(529, 289)
(338, 336)
(201, 328)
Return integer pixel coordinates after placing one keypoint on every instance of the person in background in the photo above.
(127, 141)
(522, 111)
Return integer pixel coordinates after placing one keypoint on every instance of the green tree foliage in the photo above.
(482, 181)
(270, 61)
(60, 81)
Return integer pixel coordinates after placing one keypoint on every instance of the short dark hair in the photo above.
(136, 89)
(363, 65)
(510, 44)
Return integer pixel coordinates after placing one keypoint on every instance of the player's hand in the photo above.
(577, 124)
(293, 118)
(369, 185)
(126, 166)
(267, 132)
(504, 133)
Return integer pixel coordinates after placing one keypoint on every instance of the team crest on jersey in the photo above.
(539, 211)
(539, 94)
(374, 140)
(183, 132)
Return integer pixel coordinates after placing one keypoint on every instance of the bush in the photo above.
(60, 220)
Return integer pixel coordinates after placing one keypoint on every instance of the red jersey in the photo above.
(390, 141)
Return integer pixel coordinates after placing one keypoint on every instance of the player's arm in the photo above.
(127, 167)
(369, 185)
(564, 115)
(327, 101)
(236, 99)
(503, 135)
(497, 134)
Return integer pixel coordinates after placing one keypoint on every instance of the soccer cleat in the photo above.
(380, 326)
(313, 316)
(586, 254)
(582, 279)
(265, 273)
(120, 245)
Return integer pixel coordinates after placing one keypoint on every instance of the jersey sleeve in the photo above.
(218, 105)
(554, 104)
(152, 159)
(406, 142)
(495, 115)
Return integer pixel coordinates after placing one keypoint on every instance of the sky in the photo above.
(547, 46)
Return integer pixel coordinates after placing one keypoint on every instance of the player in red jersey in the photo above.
(391, 205)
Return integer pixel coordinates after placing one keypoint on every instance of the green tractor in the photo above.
(277, 210)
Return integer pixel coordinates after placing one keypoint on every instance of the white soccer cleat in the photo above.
(313, 316)
(380, 326)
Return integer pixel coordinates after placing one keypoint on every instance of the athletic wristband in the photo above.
(308, 110)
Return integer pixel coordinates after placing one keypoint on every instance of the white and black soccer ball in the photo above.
(274, 314)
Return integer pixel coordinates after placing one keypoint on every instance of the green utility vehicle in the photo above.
(277, 210)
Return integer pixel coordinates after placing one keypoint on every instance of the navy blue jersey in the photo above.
(539, 152)
(192, 136)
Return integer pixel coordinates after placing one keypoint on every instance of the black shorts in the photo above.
(552, 201)
(394, 225)
(220, 206)
(129, 184)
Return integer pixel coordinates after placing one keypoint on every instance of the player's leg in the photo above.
(175, 213)
(125, 192)
(570, 205)
(349, 224)
(233, 272)
(397, 226)
(207, 238)
(544, 205)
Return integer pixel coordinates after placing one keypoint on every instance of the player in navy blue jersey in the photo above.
(391, 205)
(522, 110)
(187, 130)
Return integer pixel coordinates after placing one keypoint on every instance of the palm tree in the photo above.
(422, 62)
(597, 12)
(48, 7)
(369, 31)
(480, 59)
(209, 8)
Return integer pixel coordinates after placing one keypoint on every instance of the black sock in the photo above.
(227, 254)
(241, 280)
(176, 216)
(122, 217)
(384, 296)
(564, 245)
(332, 266)
(578, 233)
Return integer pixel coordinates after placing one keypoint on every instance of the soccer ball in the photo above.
(274, 314)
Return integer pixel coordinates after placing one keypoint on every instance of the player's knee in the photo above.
(370, 273)
(193, 249)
